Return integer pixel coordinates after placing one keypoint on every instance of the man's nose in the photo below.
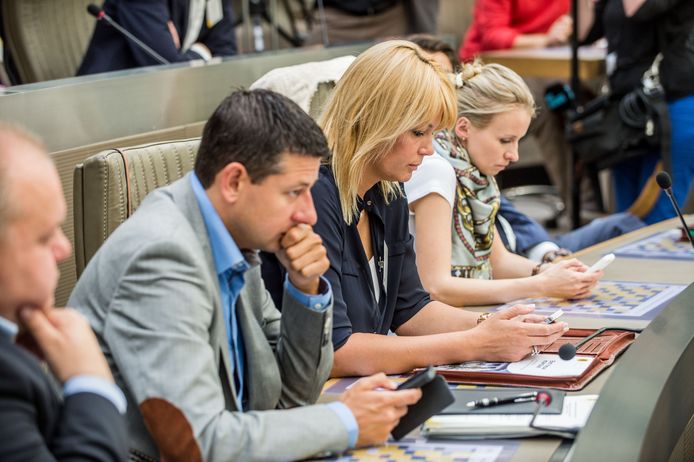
(62, 247)
(305, 211)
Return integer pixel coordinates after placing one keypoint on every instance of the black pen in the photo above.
(488, 402)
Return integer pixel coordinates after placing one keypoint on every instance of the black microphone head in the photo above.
(544, 398)
(567, 351)
(94, 10)
(663, 180)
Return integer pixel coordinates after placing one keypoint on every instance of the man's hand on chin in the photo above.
(67, 342)
(303, 255)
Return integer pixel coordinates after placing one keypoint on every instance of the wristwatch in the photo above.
(484, 316)
(553, 255)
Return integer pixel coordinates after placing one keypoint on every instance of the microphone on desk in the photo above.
(99, 14)
(568, 350)
(665, 183)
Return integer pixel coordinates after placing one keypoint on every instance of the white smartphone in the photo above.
(553, 317)
(602, 263)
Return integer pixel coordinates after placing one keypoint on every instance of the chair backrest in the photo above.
(308, 84)
(320, 98)
(110, 185)
(46, 38)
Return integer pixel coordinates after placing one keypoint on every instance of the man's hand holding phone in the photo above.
(377, 407)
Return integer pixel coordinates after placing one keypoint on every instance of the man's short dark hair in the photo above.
(431, 44)
(254, 128)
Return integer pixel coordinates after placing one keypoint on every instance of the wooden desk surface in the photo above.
(550, 62)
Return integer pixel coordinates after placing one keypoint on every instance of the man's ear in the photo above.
(232, 180)
(462, 128)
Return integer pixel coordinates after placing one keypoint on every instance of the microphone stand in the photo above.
(102, 15)
(575, 83)
(687, 231)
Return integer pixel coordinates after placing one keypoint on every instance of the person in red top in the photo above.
(501, 24)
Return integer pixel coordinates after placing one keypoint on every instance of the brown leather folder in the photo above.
(604, 348)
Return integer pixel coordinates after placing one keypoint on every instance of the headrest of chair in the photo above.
(110, 185)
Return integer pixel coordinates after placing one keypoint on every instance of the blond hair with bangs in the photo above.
(389, 89)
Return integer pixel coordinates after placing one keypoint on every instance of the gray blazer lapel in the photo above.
(184, 197)
(263, 378)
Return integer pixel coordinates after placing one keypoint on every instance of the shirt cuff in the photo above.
(200, 51)
(319, 302)
(347, 418)
(537, 252)
(98, 386)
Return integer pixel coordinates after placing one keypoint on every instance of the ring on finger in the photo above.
(534, 351)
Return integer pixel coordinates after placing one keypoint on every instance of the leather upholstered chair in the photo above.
(110, 185)
(46, 38)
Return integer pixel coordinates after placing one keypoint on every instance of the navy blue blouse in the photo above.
(354, 306)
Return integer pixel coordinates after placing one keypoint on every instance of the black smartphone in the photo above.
(436, 396)
(418, 380)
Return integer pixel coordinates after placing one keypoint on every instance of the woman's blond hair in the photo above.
(389, 89)
(485, 90)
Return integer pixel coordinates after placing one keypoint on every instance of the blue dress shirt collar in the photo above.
(8, 329)
(226, 254)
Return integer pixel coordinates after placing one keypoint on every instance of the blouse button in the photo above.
(368, 203)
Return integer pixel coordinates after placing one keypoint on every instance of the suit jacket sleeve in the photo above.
(147, 20)
(36, 426)
(158, 328)
(221, 38)
(303, 347)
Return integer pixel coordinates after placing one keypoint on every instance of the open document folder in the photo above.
(475, 426)
(547, 369)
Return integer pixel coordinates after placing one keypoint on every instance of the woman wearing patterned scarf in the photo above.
(380, 123)
(453, 199)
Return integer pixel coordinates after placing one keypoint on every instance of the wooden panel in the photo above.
(550, 62)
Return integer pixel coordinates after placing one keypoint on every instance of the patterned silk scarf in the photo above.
(474, 211)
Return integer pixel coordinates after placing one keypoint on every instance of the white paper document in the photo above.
(551, 365)
(574, 415)
(542, 365)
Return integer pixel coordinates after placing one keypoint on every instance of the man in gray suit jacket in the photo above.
(176, 299)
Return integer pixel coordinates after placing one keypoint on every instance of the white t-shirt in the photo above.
(435, 175)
